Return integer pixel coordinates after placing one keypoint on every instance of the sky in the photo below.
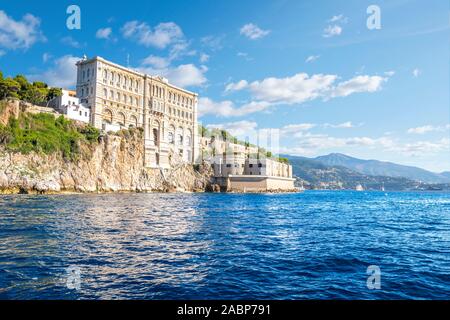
(310, 72)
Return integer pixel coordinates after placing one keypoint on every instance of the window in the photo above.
(228, 165)
(171, 140)
(81, 113)
(250, 165)
(105, 93)
(260, 165)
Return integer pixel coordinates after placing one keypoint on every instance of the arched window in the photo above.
(107, 116)
(133, 121)
(121, 119)
(105, 93)
(105, 74)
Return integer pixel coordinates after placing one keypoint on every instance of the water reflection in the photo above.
(169, 246)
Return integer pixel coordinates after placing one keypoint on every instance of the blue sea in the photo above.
(311, 245)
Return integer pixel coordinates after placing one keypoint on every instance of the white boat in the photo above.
(359, 188)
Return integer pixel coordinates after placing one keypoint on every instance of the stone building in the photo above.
(242, 172)
(119, 97)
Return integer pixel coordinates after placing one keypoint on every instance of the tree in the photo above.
(9, 88)
(53, 93)
(36, 95)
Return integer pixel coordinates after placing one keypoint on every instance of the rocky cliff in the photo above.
(113, 163)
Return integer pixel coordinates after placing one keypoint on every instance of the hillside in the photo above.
(316, 175)
(381, 168)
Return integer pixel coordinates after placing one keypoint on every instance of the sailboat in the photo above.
(359, 187)
(382, 187)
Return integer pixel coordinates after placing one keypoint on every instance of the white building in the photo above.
(120, 97)
(69, 105)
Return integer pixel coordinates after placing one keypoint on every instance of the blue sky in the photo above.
(310, 69)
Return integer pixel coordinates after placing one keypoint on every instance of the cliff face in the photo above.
(115, 163)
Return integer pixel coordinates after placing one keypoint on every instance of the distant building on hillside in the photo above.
(69, 105)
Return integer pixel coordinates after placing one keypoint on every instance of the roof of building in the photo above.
(136, 72)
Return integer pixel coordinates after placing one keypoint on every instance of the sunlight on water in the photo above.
(314, 245)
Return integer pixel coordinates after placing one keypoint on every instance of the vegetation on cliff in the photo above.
(19, 87)
(43, 133)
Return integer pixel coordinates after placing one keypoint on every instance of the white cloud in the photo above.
(344, 125)
(296, 89)
(301, 87)
(390, 73)
(46, 57)
(236, 86)
(338, 18)
(253, 32)
(421, 148)
(103, 33)
(228, 109)
(295, 128)
(311, 58)
(160, 36)
(186, 75)
(238, 128)
(358, 84)
(63, 73)
(332, 31)
(416, 73)
(428, 128)
(19, 34)
(156, 62)
(69, 41)
(213, 43)
(204, 58)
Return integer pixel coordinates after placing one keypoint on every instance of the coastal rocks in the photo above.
(115, 164)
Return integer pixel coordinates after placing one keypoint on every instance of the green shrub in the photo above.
(43, 133)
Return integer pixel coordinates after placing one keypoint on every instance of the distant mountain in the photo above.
(445, 174)
(313, 174)
(381, 168)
